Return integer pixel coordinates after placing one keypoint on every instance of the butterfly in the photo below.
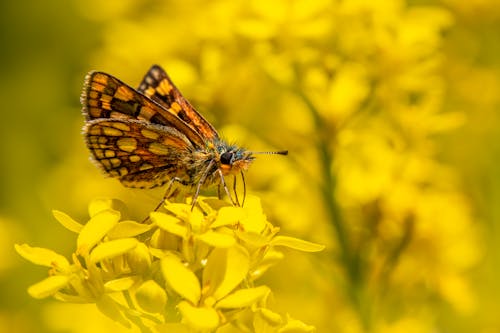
(151, 136)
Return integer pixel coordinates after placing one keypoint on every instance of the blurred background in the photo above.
(389, 110)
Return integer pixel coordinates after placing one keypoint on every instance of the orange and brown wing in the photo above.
(136, 152)
(104, 96)
(158, 86)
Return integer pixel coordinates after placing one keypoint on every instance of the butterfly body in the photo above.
(150, 136)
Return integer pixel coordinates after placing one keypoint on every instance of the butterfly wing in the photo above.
(138, 153)
(104, 96)
(158, 86)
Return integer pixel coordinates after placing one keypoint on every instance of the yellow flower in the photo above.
(195, 268)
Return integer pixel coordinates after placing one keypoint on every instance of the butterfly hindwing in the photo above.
(104, 96)
(158, 86)
(138, 153)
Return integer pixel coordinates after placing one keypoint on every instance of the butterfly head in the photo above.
(233, 160)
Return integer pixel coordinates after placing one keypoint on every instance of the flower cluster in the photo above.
(184, 269)
(358, 92)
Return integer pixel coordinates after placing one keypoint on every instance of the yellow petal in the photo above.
(98, 205)
(168, 223)
(182, 280)
(139, 259)
(243, 297)
(196, 219)
(296, 244)
(67, 222)
(200, 319)
(225, 269)
(121, 284)
(41, 256)
(270, 317)
(109, 308)
(95, 229)
(228, 216)
(151, 297)
(48, 286)
(111, 249)
(179, 209)
(296, 326)
(216, 239)
(252, 238)
(126, 229)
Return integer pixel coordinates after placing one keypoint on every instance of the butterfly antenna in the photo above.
(279, 152)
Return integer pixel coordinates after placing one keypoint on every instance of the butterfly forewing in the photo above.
(158, 86)
(140, 154)
(104, 96)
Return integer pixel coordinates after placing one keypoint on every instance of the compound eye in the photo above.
(226, 158)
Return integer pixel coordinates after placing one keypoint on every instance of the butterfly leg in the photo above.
(219, 193)
(201, 181)
(167, 194)
(226, 189)
(235, 192)
(244, 188)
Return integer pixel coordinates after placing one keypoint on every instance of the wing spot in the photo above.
(150, 134)
(100, 78)
(106, 164)
(94, 112)
(176, 107)
(121, 126)
(123, 93)
(134, 158)
(94, 130)
(109, 153)
(146, 112)
(150, 91)
(127, 144)
(98, 153)
(110, 131)
(145, 166)
(123, 171)
(164, 87)
(158, 148)
(115, 162)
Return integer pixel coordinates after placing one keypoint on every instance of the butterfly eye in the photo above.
(226, 158)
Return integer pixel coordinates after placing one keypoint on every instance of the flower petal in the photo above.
(151, 297)
(296, 326)
(95, 229)
(98, 205)
(125, 229)
(109, 308)
(216, 239)
(180, 278)
(228, 216)
(66, 221)
(48, 286)
(121, 284)
(243, 298)
(168, 223)
(201, 319)
(225, 269)
(41, 256)
(296, 244)
(266, 320)
(111, 249)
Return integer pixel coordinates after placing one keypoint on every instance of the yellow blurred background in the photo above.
(389, 110)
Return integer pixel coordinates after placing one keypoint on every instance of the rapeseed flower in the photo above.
(186, 269)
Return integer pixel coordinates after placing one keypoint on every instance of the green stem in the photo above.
(349, 260)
